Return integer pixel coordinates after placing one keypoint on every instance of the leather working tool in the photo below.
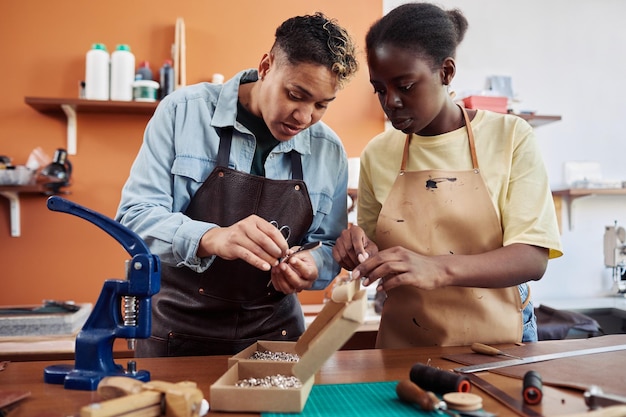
(596, 398)
(128, 397)
(438, 380)
(306, 246)
(532, 388)
(410, 392)
(533, 359)
(94, 343)
(490, 350)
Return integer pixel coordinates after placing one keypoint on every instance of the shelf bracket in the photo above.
(14, 202)
(70, 113)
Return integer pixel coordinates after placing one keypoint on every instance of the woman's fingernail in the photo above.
(366, 281)
(362, 257)
(356, 274)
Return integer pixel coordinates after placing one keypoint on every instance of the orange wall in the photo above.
(59, 256)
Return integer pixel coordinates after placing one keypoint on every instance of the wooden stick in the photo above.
(176, 53)
(183, 55)
(122, 406)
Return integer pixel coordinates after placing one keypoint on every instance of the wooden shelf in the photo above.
(53, 105)
(571, 194)
(536, 120)
(71, 106)
(12, 192)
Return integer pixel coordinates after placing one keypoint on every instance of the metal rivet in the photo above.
(201, 290)
(297, 187)
(220, 174)
(284, 332)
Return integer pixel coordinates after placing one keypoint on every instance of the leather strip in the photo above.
(470, 139)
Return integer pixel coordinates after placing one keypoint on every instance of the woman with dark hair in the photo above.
(233, 178)
(455, 213)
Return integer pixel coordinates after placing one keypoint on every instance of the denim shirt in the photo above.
(179, 151)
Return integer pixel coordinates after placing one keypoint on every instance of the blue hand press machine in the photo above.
(123, 309)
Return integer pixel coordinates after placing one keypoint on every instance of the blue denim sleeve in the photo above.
(147, 204)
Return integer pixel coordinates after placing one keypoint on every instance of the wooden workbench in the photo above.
(344, 366)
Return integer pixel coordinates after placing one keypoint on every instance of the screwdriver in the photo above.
(490, 350)
(411, 393)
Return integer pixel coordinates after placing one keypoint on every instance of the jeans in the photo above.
(529, 320)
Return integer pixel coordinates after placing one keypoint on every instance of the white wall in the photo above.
(568, 58)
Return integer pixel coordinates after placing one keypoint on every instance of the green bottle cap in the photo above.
(122, 47)
(99, 46)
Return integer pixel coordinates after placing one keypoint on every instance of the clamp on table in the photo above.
(132, 296)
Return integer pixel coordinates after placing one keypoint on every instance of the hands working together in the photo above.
(262, 245)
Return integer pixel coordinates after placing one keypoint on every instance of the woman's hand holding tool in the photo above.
(490, 350)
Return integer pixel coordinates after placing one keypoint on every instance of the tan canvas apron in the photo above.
(440, 212)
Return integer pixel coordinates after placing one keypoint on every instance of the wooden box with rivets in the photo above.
(333, 326)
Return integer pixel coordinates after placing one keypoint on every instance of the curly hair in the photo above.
(319, 40)
(423, 28)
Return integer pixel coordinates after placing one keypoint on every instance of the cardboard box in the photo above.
(493, 103)
(333, 326)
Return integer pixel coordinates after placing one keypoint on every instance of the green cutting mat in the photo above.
(358, 400)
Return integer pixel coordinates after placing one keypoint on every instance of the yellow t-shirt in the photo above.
(511, 166)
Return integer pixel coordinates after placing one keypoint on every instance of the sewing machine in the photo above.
(123, 309)
(615, 255)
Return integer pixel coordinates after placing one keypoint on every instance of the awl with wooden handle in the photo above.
(490, 350)
(411, 393)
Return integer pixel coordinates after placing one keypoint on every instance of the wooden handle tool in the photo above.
(411, 393)
(490, 350)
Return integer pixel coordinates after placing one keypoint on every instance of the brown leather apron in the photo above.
(442, 212)
(229, 306)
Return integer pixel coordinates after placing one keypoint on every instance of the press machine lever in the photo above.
(94, 342)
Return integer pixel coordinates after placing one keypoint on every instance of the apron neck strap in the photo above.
(470, 139)
(223, 154)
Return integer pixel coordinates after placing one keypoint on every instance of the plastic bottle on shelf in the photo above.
(97, 72)
(122, 73)
(166, 78)
(144, 72)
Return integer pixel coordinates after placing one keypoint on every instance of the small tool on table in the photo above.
(411, 393)
(532, 388)
(596, 398)
(490, 350)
